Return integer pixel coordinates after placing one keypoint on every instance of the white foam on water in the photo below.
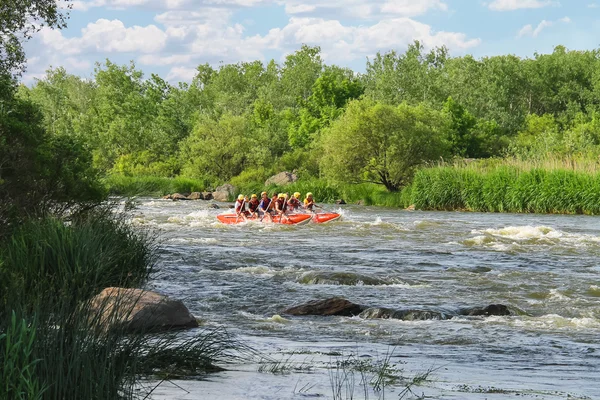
(520, 233)
(279, 319)
(194, 240)
(554, 321)
(556, 295)
(142, 221)
(518, 238)
(405, 285)
(257, 270)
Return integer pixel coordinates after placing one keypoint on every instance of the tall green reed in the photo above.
(68, 348)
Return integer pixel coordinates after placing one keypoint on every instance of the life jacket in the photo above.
(239, 206)
(253, 205)
(272, 203)
(280, 204)
(293, 203)
(265, 204)
(309, 204)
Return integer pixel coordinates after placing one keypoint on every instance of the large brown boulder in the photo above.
(281, 179)
(196, 196)
(224, 192)
(207, 195)
(220, 196)
(137, 310)
(332, 306)
(178, 196)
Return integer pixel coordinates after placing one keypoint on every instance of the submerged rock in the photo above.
(492, 309)
(339, 278)
(332, 306)
(406, 315)
(137, 310)
(343, 307)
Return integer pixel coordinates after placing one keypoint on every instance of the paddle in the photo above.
(241, 213)
(283, 209)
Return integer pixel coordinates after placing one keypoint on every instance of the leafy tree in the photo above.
(414, 76)
(218, 149)
(18, 21)
(65, 100)
(330, 93)
(299, 73)
(374, 142)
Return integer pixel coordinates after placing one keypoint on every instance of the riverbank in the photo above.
(56, 342)
(485, 186)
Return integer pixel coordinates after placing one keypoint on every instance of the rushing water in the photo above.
(544, 267)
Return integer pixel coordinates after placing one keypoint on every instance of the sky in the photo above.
(172, 37)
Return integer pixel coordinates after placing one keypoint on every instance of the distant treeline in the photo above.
(243, 122)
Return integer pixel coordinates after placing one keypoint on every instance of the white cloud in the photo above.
(181, 74)
(410, 8)
(510, 5)
(107, 36)
(528, 30)
(593, 5)
(345, 43)
(361, 9)
(84, 5)
(206, 34)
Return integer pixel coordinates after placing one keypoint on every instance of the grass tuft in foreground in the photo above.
(54, 345)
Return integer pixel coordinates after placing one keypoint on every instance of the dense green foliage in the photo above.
(60, 245)
(243, 122)
(378, 143)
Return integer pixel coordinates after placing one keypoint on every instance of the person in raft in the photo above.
(240, 206)
(253, 205)
(264, 206)
(281, 204)
(271, 208)
(294, 202)
(309, 202)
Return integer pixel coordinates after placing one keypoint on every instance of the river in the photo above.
(544, 267)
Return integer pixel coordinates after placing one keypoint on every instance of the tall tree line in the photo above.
(251, 119)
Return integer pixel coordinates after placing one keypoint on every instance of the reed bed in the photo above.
(519, 187)
(55, 345)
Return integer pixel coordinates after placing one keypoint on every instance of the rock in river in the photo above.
(332, 306)
(137, 310)
(343, 307)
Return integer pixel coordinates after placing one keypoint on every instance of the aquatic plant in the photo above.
(506, 187)
(55, 345)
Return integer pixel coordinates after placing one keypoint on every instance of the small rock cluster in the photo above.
(342, 307)
(222, 193)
